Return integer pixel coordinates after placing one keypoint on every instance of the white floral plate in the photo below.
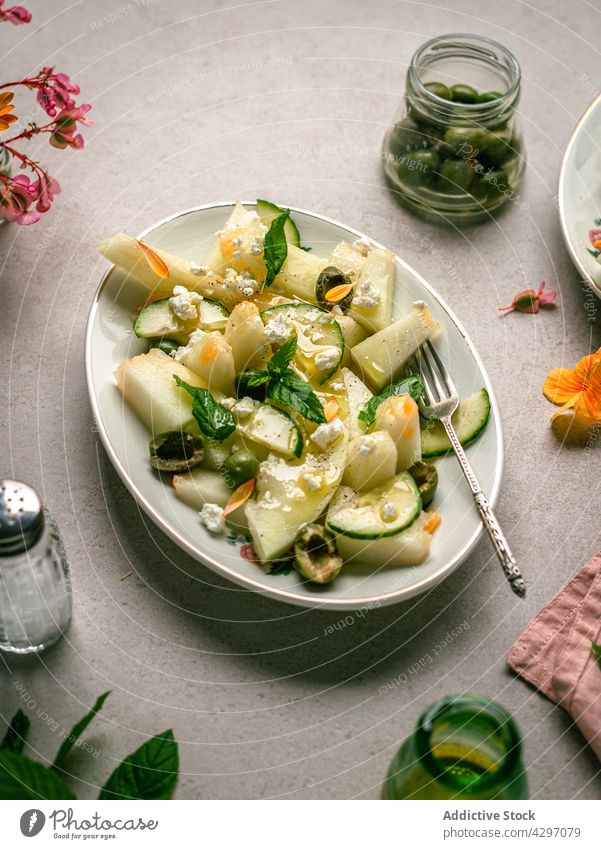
(109, 340)
(580, 195)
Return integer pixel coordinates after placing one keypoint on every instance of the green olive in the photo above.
(461, 93)
(497, 182)
(315, 555)
(488, 96)
(175, 451)
(329, 278)
(418, 167)
(407, 135)
(440, 90)
(425, 476)
(500, 146)
(456, 175)
(165, 345)
(466, 142)
(239, 467)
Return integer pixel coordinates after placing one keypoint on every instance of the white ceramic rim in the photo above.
(284, 595)
(574, 256)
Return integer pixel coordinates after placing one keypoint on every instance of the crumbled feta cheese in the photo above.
(185, 303)
(211, 516)
(257, 246)
(367, 446)
(367, 296)
(181, 352)
(237, 241)
(244, 407)
(336, 310)
(312, 480)
(362, 245)
(240, 283)
(236, 254)
(326, 359)
(389, 511)
(317, 338)
(337, 386)
(419, 305)
(228, 403)
(278, 329)
(200, 270)
(326, 434)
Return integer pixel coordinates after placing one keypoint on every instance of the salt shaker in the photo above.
(35, 590)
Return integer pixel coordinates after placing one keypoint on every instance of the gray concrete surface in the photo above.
(196, 102)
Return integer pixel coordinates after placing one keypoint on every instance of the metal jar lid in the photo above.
(21, 517)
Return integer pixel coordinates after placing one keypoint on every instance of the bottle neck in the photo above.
(469, 745)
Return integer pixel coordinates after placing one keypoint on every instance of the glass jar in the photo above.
(455, 149)
(35, 590)
(464, 747)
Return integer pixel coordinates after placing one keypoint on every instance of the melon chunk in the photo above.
(382, 357)
(299, 273)
(202, 486)
(408, 548)
(347, 259)
(375, 281)
(146, 383)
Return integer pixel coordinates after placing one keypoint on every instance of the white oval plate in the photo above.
(109, 340)
(580, 193)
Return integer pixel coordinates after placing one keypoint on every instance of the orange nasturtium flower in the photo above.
(578, 389)
(5, 108)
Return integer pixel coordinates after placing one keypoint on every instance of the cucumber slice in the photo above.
(267, 211)
(364, 515)
(213, 315)
(317, 334)
(469, 420)
(273, 428)
(158, 319)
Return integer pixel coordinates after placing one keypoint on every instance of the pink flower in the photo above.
(47, 188)
(17, 195)
(595, 238)
(54, 91)
(530, 301)
(15, 15)
(63, 134)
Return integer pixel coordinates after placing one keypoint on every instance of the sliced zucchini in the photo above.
(409, 548)
(158, 319)
(213, 315)
(382, 512)
(382, 357)
(320, 341)
(299, 273)
(469, 420)
(268, 211)
(273, 428)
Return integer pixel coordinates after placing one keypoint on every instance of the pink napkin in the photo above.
(554, 651)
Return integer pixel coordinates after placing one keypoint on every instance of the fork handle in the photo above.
(489, 520)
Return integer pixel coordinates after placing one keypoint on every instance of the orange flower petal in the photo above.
(5, 97)
(337, 293)
(433, 521)
(561, 385)
(331, 409)
(240, 495)
(158, 265)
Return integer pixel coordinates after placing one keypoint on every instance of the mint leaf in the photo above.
(596, 651)
(293, 392)
(14, 739)
(411, 385)
(255, 378)
(280, 360)
(21, 778)
(77, 731)
(213, 419)
(148, 773)
(275, 248)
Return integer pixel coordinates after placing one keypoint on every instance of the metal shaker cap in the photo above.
(21, 517)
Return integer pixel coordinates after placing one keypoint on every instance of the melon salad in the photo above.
(277, 389)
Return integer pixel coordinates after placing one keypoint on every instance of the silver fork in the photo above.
(440, 402)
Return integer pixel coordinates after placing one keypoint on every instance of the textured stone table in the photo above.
(195, 102)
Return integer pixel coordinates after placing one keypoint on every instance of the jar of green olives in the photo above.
(455, 149)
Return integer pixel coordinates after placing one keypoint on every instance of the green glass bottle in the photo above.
(464, 747)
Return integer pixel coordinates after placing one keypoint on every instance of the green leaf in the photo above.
(16, 733)
(255, 378)
(280, 360)
(148, 773)
(282, 567)
(411, 385)
(213, 419)
(596, 651)
(276, 246)
(293, 392)
(77, 731)
(21, 778)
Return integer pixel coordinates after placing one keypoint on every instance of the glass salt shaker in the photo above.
(35, 590)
